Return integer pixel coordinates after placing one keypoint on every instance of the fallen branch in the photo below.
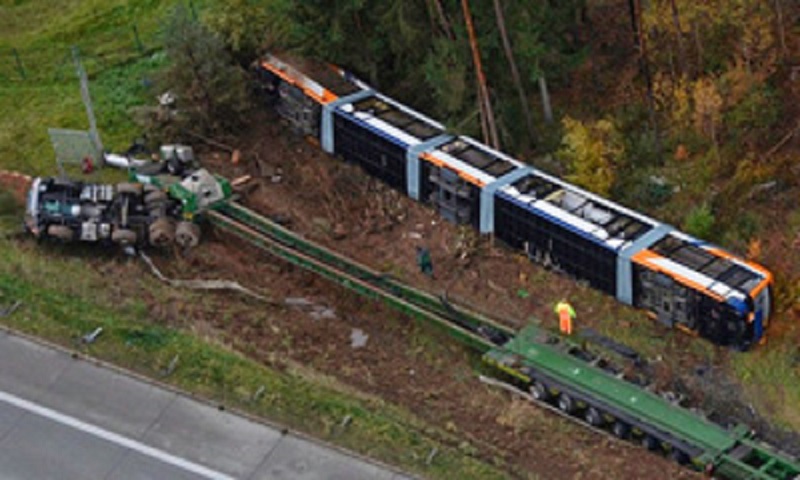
(205, 284)
(6, 312)
(210, 141)
(772, 151)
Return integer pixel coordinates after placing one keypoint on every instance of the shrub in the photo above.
(700, 222)
(592, 152)
(212, 91)
(8, 204)
(755, 115)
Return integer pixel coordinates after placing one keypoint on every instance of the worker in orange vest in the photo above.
(566, 314)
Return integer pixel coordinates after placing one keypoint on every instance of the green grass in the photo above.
(771, 378)
(43, 34)
(63, 300)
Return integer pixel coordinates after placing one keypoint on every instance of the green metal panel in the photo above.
(649, 408)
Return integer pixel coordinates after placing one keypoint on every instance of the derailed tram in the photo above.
(682, 281)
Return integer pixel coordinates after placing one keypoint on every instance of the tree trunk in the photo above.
(546, 107)
(644, 64)
(446, 26)
(781, 28)
(676, 20)
(699, 44)
(512, 64)
(483, 90)
(431, 15)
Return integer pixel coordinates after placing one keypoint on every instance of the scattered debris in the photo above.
(431, 455)
(8, 311)
(315, 311)
(761, 188)
(346, 421)
(204, 284)
(298, 302)
(258, 393)
(358, 339)
(339, 231)
(92, 336)
(173, 364)
(320, 312)
(591, 335)
(236, 182)
(210, 141)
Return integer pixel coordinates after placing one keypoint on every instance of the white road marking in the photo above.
(112, 437)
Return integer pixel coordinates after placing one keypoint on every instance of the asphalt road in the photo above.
(65, 419)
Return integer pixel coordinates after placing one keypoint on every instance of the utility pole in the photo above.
(87, 101)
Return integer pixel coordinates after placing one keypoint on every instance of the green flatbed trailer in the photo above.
(598, 393)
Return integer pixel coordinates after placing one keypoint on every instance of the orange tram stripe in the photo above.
(326, 97)
(469, 178)
(768, 280)
(645, 258)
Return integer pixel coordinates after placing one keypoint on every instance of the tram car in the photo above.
(682, 281)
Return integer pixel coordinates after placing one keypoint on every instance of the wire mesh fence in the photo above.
(105, 39)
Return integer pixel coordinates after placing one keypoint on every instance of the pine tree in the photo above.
(211, 89)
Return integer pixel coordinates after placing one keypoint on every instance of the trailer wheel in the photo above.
(61, 232)
(162, 232)
(621, 430)
(130, 188)
(155, 198)
(123, 236)
(594, 417)
(650, 442)
(539, 391)
(187, 234)
(679, 456)
(566, 404)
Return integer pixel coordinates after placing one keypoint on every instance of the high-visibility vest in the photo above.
(565, 315)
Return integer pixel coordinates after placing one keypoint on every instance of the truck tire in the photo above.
(155, 198)
(123, 236)
(61, 232)
(162, 232)
(187, 234)
(130, 188)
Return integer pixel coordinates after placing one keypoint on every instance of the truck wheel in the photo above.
(130, 188)
(566, 404)
(155, 198)
(187, 234)
(162, 232)
(123, 236)
(539, 391)
(61, 232)
(594, 417)
(621, 430)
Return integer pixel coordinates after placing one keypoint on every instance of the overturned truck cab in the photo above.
(125, 214)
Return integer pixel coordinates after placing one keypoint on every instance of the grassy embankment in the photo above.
(64, 299)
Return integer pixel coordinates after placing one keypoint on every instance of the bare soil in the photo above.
(431, 375)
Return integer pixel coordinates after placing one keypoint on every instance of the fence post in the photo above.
(138, 41)
(19, 64)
